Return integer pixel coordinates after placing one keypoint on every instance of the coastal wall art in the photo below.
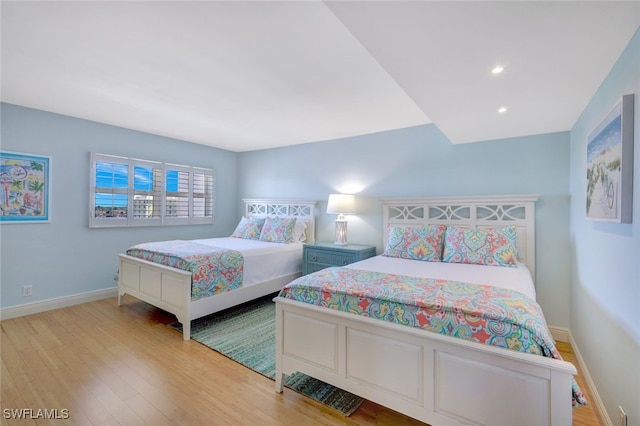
(610, 165)
(25, 182)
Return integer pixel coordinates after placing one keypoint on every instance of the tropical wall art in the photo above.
(25, 182)
(610, 165)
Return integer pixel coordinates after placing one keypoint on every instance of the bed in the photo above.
(249, 268)
(435, 378)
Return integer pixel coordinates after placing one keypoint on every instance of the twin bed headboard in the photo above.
(302, 210)
(472, 212)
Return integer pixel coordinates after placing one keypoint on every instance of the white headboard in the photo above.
(473, 212)
(301, 210)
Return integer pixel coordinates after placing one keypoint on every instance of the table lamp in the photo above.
(341, 204)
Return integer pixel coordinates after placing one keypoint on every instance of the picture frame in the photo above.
(610, 165)
(25, 188)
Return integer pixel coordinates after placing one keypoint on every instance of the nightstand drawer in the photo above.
(329, 258)
(313, 267)
(319, 255)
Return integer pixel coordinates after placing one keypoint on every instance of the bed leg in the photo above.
(279, 350)
(279, 382)
(186, 330)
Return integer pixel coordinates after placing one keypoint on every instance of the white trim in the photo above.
(560, 334)
(56, 303)
(594, 396)
(564, 335)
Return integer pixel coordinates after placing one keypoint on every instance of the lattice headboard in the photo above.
(473, 212)
(302, 210)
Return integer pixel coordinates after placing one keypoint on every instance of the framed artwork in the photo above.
(610, 165)
(25, 188)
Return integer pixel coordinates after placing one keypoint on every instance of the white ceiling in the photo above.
(250, 75)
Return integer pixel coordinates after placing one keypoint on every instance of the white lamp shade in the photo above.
(341, 204)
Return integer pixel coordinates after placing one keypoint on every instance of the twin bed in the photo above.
(362, 327)
(263, 268)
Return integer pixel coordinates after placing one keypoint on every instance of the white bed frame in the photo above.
(437, 379)
(170, 288)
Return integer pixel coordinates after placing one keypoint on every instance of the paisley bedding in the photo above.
(481, 313)
(214, 270)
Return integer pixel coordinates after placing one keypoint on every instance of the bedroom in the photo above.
(597, 304)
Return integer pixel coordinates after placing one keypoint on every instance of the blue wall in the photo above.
(65, 257)
(420, 161)
(605, 290)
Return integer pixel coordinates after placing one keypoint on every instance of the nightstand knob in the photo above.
(315, 258)
(344, 262)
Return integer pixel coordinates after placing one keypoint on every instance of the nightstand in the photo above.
(319, 255)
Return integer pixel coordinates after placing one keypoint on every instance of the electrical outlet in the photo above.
(622, 416)
(27, 290)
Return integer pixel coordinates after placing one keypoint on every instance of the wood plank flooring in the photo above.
(110, 365)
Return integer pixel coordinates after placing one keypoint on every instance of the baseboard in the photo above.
(564, 335)
(594, 396)
(560, 334)
(58, 302)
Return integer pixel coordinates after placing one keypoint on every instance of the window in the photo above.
(132, 192)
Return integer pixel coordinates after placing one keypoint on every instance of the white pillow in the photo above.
(298, 231)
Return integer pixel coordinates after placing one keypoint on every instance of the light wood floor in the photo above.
(110, 365)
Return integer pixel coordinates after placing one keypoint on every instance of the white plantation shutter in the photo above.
(203, 181)
(110, 191)
(147, 192)
(178, 193)
(133, 192)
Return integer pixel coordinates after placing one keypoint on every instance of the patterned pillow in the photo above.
(419, 243)
(249, 228)
(488, 246)
(278, 230)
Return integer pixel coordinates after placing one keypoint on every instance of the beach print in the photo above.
(604, 156)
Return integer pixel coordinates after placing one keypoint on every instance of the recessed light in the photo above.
(502, 110)
(497, 70)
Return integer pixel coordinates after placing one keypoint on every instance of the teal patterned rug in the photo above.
(247, 334)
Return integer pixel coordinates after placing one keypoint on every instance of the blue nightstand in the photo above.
(320, 255)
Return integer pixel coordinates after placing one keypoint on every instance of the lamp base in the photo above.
(341, 233)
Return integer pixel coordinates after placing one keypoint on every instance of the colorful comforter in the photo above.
(481, 313)
(214, 270)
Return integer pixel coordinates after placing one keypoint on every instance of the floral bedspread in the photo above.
(214, 270)
(481, 313)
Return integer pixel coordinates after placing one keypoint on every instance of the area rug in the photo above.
(247, 334)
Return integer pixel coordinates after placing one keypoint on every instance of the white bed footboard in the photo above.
(437, 379)
(162, 286)
(170, 289)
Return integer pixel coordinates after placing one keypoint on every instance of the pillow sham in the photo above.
(488, 246)
(418, 243)
(278, 229)
(249, 228)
